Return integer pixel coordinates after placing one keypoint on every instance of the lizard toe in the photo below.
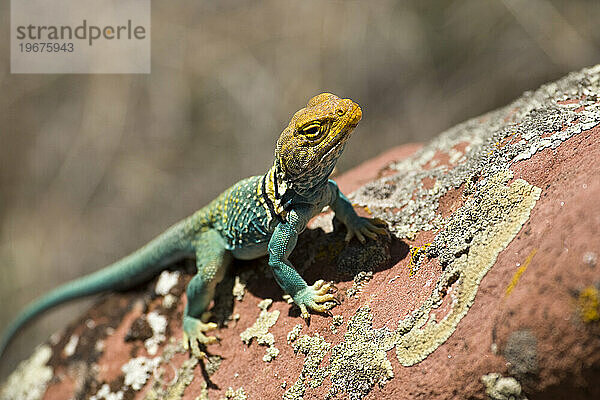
(318, 285)
(194, 336)
(349, 235)
(319, 308)
(304, 313)
(369, 233)
(325, 288)
(196, 352)
(323, 298)
(360, 237)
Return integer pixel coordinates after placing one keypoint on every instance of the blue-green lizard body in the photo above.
(257, 216)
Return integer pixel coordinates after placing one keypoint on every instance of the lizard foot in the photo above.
(370, 227)
(194, 335)
(313, 298)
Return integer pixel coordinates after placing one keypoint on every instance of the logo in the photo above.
(80, 36)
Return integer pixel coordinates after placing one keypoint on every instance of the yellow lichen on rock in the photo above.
(588, 304)
(519, 273)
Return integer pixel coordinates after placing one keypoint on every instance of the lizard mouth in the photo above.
(356, 116)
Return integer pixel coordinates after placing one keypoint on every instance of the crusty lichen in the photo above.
(137, 371)
(71, 346)
(359, 362)
(358, 283)
(294, 333)
(158, 324)
(173, 390)
(260, 330)
(490, 220)
(239, 289)
(29, 380)
(203, 395)
(181, 377)
(495, 141)
(314, 348)
(469, 240)
(336, 322)
(356, 364)
(590, 259)
(498, 387)
(231, 394)
(166, 281)
(105, 394)
(521, 353)
(478, 155)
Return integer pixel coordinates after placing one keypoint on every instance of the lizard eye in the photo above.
(340, 112)
(311, 131)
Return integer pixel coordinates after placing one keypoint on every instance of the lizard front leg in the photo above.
(356, 225)
(282, 243)
(212, 260)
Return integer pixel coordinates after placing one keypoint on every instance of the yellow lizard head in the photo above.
(309, 147)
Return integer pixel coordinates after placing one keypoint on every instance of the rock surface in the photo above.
(488, 288)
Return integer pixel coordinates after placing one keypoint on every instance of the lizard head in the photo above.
(309, 147)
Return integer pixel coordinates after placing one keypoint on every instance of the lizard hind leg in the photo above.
(212, 261)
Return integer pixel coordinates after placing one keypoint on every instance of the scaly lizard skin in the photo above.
(257, 216)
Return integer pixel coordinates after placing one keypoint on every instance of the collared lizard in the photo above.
(257, 216)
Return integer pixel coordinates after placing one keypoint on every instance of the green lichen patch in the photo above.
(260, 330)
(29, 380)
(314, 349)
(356, 364)
(360, 361)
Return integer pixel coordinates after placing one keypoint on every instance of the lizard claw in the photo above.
(317, 297)
(369, 227)
(194, 335)
(304, 313)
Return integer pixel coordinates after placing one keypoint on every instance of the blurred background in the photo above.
(94, 166)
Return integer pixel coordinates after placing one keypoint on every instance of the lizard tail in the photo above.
(128, 272)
